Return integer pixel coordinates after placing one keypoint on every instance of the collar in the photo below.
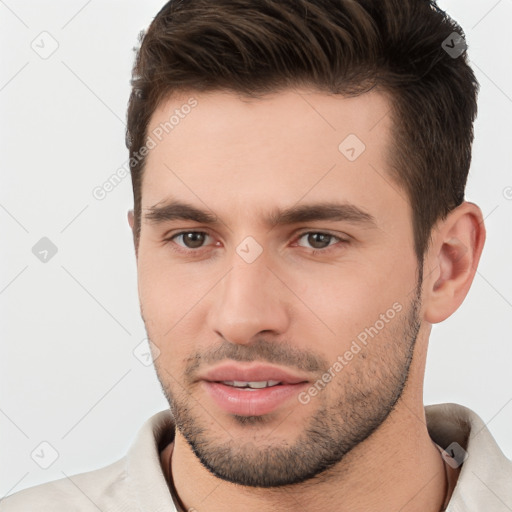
(484, 482)
(485, 478)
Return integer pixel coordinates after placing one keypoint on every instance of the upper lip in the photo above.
(253, 372)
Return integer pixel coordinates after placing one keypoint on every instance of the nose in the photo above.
(249, 301)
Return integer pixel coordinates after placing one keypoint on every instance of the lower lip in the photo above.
(254, 402)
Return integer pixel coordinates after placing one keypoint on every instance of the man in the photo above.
(299, 222)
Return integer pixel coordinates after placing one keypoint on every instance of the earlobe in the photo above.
(130, 219)
(453, 259)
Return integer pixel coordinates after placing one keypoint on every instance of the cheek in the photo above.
(349, 301)
(161, 284)
(161, 298)
(173, 304)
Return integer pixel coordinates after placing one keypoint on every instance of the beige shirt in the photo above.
(137, 482)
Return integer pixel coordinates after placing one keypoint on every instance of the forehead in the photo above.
(232, 152)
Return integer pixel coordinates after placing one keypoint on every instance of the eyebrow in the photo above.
(177, 210)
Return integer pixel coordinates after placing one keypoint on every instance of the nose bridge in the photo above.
(247, 283)
(248, 301)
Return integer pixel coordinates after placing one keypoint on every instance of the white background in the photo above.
(69, 326)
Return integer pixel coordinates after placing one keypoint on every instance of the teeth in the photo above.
(252, 385)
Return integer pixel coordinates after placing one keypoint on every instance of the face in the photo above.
(277, 278)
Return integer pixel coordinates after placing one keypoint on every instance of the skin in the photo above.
(241, 159)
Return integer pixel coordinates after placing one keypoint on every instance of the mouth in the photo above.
(252, 389)
(252, 385)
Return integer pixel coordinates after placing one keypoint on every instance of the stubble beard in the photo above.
(368, 390)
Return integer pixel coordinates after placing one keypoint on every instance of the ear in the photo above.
(131, 222)
(130, 219)
(452, 260)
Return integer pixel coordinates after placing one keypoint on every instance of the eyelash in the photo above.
(188, 251)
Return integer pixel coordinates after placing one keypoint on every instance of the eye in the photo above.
(190, 239)
(318, 240)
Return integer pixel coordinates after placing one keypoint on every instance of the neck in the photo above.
(374, 476)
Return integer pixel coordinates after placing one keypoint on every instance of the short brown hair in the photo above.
(347, 47)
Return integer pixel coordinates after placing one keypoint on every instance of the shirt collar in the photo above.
(485, 479)
(484, 483)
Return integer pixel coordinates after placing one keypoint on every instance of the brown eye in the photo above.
(191, 239)
(318, 240)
